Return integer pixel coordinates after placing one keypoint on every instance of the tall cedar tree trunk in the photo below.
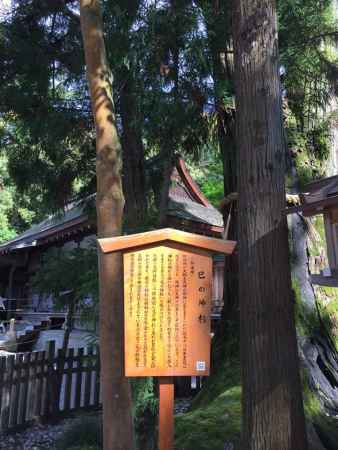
(117, 418)
(133, 156)
(273, 416)
(226, 137)
(218, 24)
(168, 147)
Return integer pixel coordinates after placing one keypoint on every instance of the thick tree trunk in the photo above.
(117, 418)
(273, 417)
(133, 157)
(217, 16)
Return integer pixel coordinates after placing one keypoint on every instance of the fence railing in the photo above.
(46, 384)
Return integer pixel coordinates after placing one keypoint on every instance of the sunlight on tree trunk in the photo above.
(273, 416)
(117, 418)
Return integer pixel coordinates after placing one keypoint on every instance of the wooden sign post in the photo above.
(167, 305)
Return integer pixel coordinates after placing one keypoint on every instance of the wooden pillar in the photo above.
(10, 303)
(166, 413)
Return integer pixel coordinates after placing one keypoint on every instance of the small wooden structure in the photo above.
(167, 309)
(321, 197)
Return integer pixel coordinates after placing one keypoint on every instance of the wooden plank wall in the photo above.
(46, 384)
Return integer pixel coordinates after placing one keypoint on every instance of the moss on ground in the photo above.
(215, 416)
(317, 241)
(216, 413)
(329, 311)
(325, 426)
(306, 321)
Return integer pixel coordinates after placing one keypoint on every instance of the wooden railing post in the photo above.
(31, 384)
(51, 405)
(7, 397)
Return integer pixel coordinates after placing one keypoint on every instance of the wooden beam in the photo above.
(311, 209)
(108, 245)
(320, 280)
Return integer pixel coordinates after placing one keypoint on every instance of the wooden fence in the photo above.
(47, 384)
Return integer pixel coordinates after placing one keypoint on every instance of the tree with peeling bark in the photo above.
(116, 395)
(273, 416)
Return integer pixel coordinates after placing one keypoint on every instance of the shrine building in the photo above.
(20, 258)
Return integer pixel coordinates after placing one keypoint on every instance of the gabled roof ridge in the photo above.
(193, 187)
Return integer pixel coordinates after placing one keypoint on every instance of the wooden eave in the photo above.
(120, 243)
(195, 226)
(311, 209)
(51, 234)
(321, 280)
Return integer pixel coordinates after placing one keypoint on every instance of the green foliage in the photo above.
(6, 205)
(83, 433)
(209, 176)
(145, 407)
(310, 149)
(15, 212)
(319, 137)
(307, 31)
(44, 101)
(70, 270)
(213, 189)
(166, 54)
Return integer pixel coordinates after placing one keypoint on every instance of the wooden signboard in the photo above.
(167, 305)
(167, 292)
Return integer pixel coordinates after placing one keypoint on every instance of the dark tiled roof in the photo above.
(186, 202)
(189, 210)
(74, 214)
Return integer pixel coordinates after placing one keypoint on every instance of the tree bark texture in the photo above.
(273, 417)
(133, 156)
(217, 16)
(117, 418)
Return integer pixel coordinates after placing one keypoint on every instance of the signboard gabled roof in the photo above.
(119, 243)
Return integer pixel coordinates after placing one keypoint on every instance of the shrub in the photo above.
(85, 432)
(144, 411)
